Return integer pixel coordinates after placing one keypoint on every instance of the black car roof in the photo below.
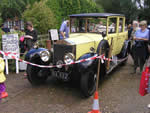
(95, 15)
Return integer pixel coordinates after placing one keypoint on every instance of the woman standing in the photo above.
(140, 46)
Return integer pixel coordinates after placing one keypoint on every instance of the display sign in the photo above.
(54, 34)
(10, 43)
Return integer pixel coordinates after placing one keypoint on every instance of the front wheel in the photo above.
(36, 75)
(88, 83)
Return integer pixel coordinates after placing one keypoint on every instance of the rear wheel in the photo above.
(88, 83)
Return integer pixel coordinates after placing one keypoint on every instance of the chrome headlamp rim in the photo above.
(45, 55)
(69, 58)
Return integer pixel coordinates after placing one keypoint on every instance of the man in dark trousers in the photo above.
(31, 35)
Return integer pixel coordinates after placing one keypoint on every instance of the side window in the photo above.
(121, 25)
(81, 24)
(78, 25)
(97, 25)
(112, 27)
(73, 25)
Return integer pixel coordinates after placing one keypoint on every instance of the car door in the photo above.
(122, 34)
(112, 33)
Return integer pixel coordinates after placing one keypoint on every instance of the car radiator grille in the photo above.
(61, 50)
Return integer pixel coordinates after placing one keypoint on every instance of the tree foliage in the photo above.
(63, 8)
(144, 9)
(41, 16)
(127, 7)
(12, 8)
(54, 9)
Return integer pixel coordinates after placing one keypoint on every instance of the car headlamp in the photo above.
(45, 56)
(69, 58)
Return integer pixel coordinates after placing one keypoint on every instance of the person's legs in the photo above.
(3, 93)
(135, 65)
(142, 62)
(132, 49)
(135, 59)
(22, 49)
(2, 89)
(29, 44)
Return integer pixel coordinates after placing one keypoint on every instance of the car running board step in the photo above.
(113, 66)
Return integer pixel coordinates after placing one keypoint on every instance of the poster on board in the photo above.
(10, 43)
(54, 34)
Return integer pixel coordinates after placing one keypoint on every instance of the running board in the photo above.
(113, 67)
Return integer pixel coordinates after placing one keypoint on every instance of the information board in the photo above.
(54, 34)
(10, 43)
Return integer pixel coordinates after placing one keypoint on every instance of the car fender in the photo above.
(105, 45)
(33, 53)
(84, 65)
(125, 49)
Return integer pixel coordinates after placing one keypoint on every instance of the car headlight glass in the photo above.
(45, 56)
(69, 58)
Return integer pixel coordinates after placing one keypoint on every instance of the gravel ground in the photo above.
(117, 94)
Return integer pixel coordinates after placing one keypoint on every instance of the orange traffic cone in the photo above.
(4, 94)
(95, 108)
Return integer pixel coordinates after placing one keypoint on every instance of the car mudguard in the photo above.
(85, 65)
(105, 47)
(125, 49)
(33, 52)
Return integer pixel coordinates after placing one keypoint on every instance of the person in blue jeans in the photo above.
(140, 50)
(64, 30)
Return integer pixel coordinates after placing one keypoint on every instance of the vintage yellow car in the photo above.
(89, 33)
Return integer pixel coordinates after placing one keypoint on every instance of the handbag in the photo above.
(143, 89)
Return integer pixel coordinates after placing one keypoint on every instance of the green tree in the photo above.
(41, 16)
(88, 6)
(11, 8)
(54, 5)
(31, 2)
(127, 7)
(144, 10)
(1, 20)
(63, 8)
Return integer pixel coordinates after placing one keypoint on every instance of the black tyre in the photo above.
(36, 75)
(88, 83)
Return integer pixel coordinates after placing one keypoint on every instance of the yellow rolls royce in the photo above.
(91, 34)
